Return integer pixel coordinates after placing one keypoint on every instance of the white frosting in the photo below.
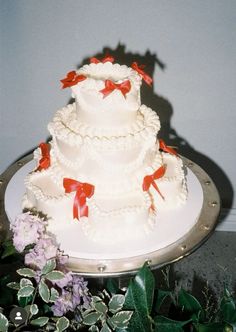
(110, 143)
(114, 110)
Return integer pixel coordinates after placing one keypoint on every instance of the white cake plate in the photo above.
(176, 234)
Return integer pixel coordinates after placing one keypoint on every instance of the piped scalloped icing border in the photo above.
(65, 126)
(97, 73)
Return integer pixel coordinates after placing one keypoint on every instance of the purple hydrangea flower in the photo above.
(74, 294)
(27, 229)
(45, 249)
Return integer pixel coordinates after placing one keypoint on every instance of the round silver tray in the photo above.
(156, 259)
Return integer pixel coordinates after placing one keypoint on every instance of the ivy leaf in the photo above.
(62, 324)
(161, 296)
(190, 304)
(54, 295)
(105, 328)
(210, 327)
(25, 282)
(25, 291)
(40, 321)
(3, 323)
(100, 307)
(228, 307)
(14, 285)
(91, 318)
(26, 272)
(93, 328)
(55, 275)
(44, 291)
(34, 309)
(116, 303)
(139, 298)
(121, 319)
(112, 286)
(164, 324)
(49, 266)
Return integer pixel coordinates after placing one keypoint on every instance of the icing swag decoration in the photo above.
(72, 79)
(141, 72)
(110, 86)
(44, 162)
(150, 180)
(107, 58)
(83, 191)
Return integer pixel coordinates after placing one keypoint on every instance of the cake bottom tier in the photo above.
(110, 218)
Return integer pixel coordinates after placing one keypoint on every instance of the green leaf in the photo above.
(40, 321)
(49, 266)
(121, 319)
(139, 298)
(112, 286)
(25, 291)
(229, 312)
(54, 295)
(100, 307)
(34, 309)
(25, 282)
(210, 327)
(93, 328)
(164, 324)
(62, 324)
(105, 328)
(3, 323)
(14, 285)
(161, 296)
(26, 272)
(91, 318)
(190, 304)
(116, 303)
(6, 294)
(55, 275)
(44, 291)
(8, 249)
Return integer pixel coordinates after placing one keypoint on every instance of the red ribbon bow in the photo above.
(83, 191)
(71, 79)
(166, 148)
(150, 179)
(110, 86)
(44, 162)
(107, 58)
(139, 69)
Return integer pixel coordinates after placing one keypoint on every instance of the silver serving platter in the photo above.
(156, 259)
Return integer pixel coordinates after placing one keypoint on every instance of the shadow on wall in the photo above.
(164, 110)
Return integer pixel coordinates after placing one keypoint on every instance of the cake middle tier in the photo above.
(75, 145)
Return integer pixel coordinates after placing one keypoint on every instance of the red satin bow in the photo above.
(71, 79)
(142, 73)
(166, 148)
(110, 86)
(107, 58)
(83, 191)
(150, 179)
(44, 162)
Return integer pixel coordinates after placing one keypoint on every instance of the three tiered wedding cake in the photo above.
(104, 168)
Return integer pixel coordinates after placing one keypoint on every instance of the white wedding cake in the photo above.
(104, 168)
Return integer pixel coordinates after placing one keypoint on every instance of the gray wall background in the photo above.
(196, 40)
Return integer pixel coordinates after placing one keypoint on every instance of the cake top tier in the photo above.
(106, 94)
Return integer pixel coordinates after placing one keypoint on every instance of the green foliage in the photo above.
(139, 298)
(139, 309)
(3, 323)
(62, 324)
(106, 313)
(8, 249)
